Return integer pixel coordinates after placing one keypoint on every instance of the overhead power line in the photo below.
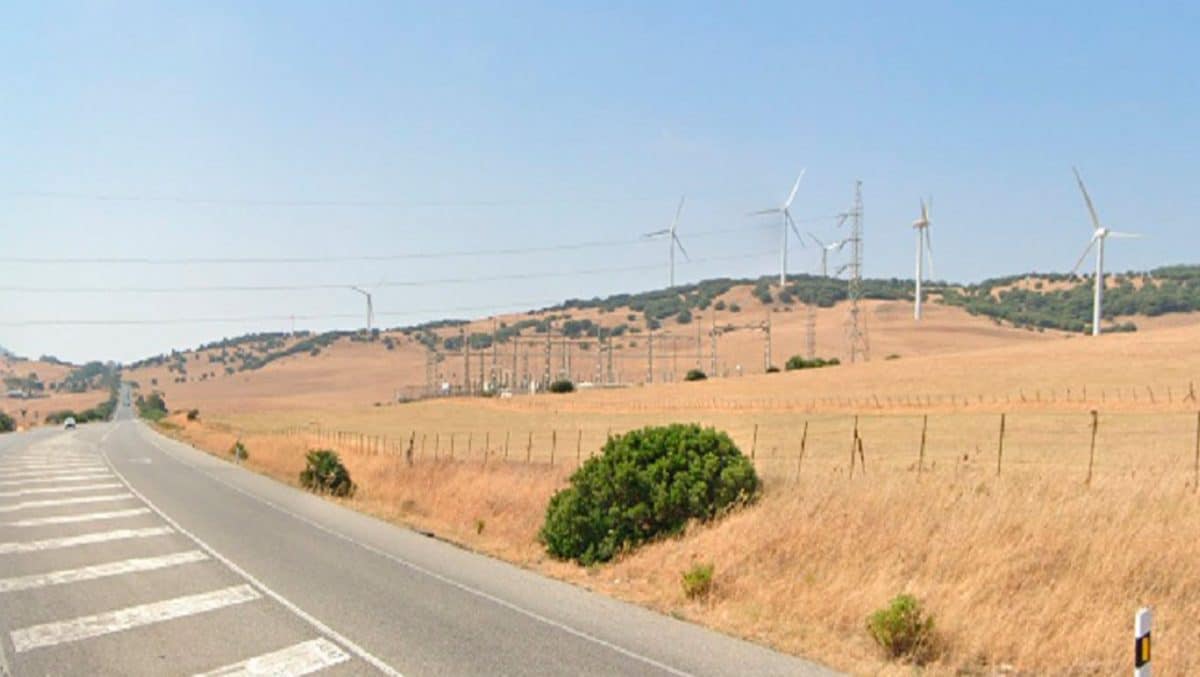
(203, 289)
(364, 258)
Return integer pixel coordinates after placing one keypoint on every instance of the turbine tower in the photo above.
(924, 249)
(672, 243)
(1099, 235)
(826, 249)
(370, 308)
(785, 213)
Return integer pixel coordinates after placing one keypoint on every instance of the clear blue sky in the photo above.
(314, 129)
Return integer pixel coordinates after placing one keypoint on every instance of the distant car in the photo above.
(69, 424)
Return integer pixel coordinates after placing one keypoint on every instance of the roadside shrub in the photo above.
(7, 424)
(735, 308)
(193, 414)
(325, 474)
(562, 386)
(695, 375)
(797, 362)
(238, 452)
(903, 630)
(645, 484)
(152, 407)
(772, 369)
(698, 581)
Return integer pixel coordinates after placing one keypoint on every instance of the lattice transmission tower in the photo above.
(856, 323)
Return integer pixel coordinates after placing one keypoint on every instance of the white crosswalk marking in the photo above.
(86, 627)
(19, 467)
(23, 474)
(72, 519)
(59, 490)
(91, 475)
(301, 659)
(65, 501)
(105, 570)
(15, 547)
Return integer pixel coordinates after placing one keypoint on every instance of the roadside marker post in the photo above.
(1141, 642)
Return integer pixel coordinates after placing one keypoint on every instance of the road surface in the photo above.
(125, 553)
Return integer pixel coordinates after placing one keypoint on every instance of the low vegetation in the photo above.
(324, 473)
(646, 484)
(7, 424)
(697, 581)
(562, 386)
(903, 630)
(238, 451)
(695, 375)
(151, 407)
(798, 362)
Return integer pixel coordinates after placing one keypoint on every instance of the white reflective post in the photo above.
(1141, 643)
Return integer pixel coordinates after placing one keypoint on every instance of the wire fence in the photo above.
(1073, 446)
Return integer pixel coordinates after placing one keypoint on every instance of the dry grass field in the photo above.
(30, 412)
(1033, 560)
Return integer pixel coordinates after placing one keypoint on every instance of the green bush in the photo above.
(695, 375)
(772, 369)
(645, 484)
(903, 630)
(152, 407)
(325, 474)
(698, 581)
(239, 452)
(562, 386)
(797, 362)
(7, 424)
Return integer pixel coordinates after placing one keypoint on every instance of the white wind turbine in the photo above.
(786, 215)
(924, 249)
(370, 306)
(1099, 235)
(672, 243)
(826, 249)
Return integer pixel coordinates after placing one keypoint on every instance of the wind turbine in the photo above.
(785, 213)
(672, 243)
(924, 249)
(826, 249)
(370, 307)
(1099, 235)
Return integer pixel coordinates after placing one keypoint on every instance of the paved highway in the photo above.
(125, 553)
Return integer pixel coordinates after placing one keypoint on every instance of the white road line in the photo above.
(64, 501)
(89, 573)
(91, 475)
(25, 474)
(300, 659)
(338, 637)
(12, 467)
(15, 547)
(86, 627)
(59, 490)
(72, 519)
(528, 613)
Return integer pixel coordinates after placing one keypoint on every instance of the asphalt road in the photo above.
(125, 553)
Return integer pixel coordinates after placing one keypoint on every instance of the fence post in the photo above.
(579, 448)
(803, 446)
(754, 442)
(507, 434)
(921, 457)
(529, 449)
(408, 455)
(1092, 453)
(1000, 448)
(1196, 469)
(1141, 642)
(470, 441)
(437, 444)
(451, 446)
(862, 459)
(553, 445)
(853, 446)
(487, 444)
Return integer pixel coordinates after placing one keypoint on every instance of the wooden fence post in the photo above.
(437, 445)
(529, 449)
(1000, 448)
(507, 434)
(408, 455)
(451, 446)
(487, 443)
(1196, 470)
(862, 459)
(1092, 453)
(853, 446)
(921, 457)
(803, 446)
(470, 441)
(553, 445)
(754, 442)
(579, 448)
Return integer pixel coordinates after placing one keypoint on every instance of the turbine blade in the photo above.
(1088, 199)
(928, 249)
(1086, 251)
(795, 187)
(814, 239)
(1127, 236)
(657, 233)
(773, 210)
(680, 245)
(678, 210)
(795, 229)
